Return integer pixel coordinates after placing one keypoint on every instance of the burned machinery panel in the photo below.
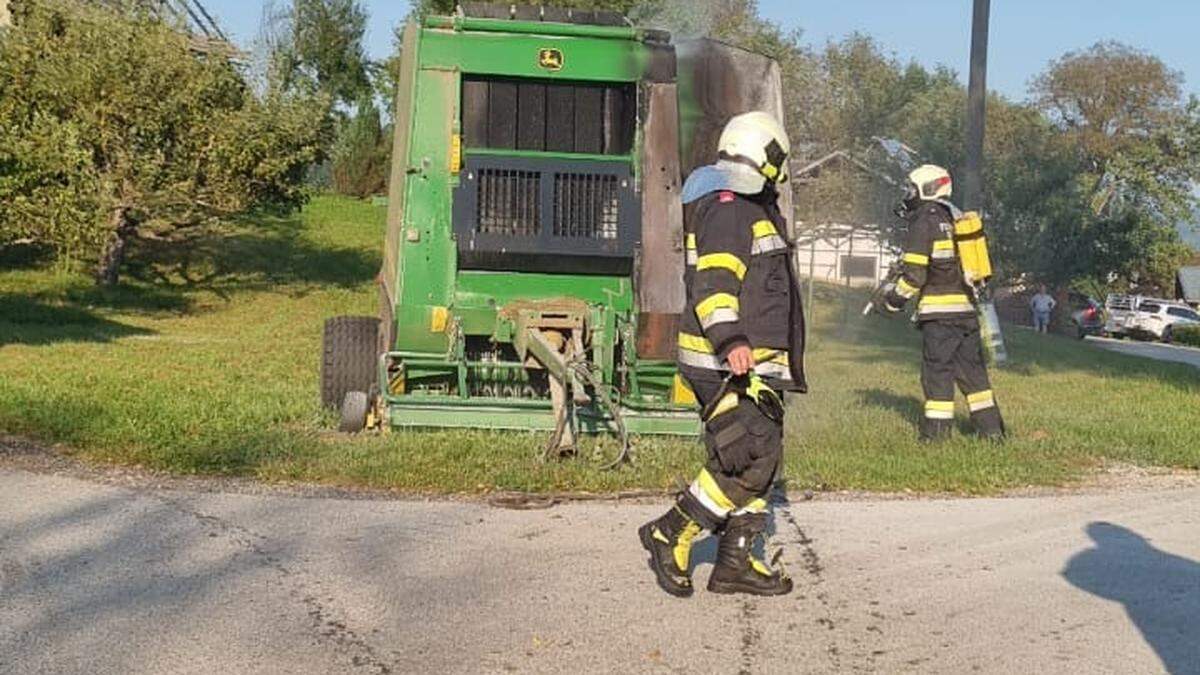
(716, 82)
(548, 116)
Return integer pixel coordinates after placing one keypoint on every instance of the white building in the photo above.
(844, 253)
(855, 255)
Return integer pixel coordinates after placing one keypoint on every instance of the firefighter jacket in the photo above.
(931, 270)
(742, 289)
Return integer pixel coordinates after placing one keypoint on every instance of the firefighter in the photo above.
(741, 345)
(933, 273)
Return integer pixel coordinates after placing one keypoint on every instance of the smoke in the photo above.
(684, 19)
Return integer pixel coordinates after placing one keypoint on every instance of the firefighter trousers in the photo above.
(953, 353)
(745, 451)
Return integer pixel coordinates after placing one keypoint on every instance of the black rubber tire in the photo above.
(349, 353)
(1168, 335)
(354, 412)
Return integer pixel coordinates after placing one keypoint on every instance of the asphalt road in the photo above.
(97, 577)
(1150, 350)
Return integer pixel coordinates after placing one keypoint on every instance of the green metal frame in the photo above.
(427, 283)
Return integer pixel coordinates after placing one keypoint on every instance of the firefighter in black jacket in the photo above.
(741, 345)
(946, 312)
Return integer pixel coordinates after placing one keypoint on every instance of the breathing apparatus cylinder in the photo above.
(976, 266)
(972, 248)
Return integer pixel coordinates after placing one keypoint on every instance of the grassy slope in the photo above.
(211, 367)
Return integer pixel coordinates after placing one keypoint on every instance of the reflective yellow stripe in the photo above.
(774, 369)
(681, 391)
(916, 259)
(695, 343)
(768, 244)
(691, 241)
(683, 544)
(939, 410)
(756, 505)
(688, 357)
(764, 228)
(906, 289)
(980, 400)
(979, 396)
(728, 402)
(716, 301)
(943, 249)
(762, 354)
(950, 299)
(713, 491)
(719, 315)
(725, 261)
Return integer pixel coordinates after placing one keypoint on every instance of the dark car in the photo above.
(1089, 319)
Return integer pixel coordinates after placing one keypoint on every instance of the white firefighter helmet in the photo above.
(758, 140)
(930, 182)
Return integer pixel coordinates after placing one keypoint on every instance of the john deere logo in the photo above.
(550, 59)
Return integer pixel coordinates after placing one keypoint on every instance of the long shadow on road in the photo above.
(1160, 591)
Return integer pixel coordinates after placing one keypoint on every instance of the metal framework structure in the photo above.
(534, 257)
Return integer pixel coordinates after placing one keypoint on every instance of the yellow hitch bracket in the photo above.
(439, 318)
(681, 393)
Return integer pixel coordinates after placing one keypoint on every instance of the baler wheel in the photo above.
(354, 412)
(349, 357)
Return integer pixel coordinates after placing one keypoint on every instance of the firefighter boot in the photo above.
(933, 430)
(737, 570)
(989, 424)
(669, 541)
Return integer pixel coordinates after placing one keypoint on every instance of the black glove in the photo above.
(766, 398)
(893, 302)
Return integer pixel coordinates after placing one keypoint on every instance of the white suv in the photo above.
(1147, 317)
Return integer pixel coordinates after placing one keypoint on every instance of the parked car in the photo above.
(1089, 319)
(1147, 318)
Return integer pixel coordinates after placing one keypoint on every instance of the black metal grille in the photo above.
(546, 214)
(586, 205)
(508, 202)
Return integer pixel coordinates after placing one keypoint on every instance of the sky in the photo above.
(1025, 34)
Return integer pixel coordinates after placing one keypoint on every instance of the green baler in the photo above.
(532, 273)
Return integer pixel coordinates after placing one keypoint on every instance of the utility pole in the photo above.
(972, 198)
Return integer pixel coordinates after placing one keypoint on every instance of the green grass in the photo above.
(1187, 335)
(205, 361)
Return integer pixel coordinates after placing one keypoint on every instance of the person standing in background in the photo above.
(1042, 305)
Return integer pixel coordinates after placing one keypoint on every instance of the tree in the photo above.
(318, 44)
(1028, 191)
(360, 156)
(1137, 144)
(112, 128)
